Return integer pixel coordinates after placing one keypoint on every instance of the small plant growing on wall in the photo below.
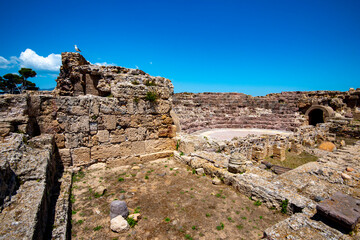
(150, 83)
(151, 96)
(284, 205)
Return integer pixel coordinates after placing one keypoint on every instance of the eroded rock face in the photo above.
(79, 77)
(27, 178)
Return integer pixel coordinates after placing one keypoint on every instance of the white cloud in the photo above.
(30, 59)
(150, 62)
(104, 64)
(4, 63)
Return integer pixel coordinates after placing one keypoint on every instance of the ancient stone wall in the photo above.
(233, 110)
(283, 111)
(133, 120)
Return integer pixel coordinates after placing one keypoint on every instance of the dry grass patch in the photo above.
(293, 160)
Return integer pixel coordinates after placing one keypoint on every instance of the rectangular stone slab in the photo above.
(341, 208)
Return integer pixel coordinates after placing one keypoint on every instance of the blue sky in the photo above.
(255, 46)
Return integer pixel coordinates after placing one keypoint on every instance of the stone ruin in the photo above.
(118, 115)
(95, 114)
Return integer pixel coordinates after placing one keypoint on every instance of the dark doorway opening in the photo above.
(316, 116)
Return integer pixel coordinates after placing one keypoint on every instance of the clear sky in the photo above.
(254, 46)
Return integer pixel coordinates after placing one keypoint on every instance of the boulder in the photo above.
(119, 224)
(117, 208)
(327, 146)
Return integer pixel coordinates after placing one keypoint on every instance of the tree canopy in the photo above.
(14, 83)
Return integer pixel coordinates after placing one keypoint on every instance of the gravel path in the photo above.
(230, 133)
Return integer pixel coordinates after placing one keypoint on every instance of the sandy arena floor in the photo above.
(230, 133)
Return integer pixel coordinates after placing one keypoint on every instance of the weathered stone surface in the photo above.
(118, 207)
(300, 226)
(216, 181)
(237, 163)
(61, 218)
(119, 224)
(341, 208)
(200, 171)
(105, 151)
(24, 214)
(327, 146)
(80, 155)
(109, 122)
(103, 136)
(65, 157)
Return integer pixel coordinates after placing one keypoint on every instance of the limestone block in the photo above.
(65, 157)
(135, 134)
(105, 151)
(80, 155)
(109, 121)
(60, 140)
(103, 136)
(163, 132)
(79, 110)
(172, 131)
(47, 125)
(138, 148)
(91, 81)
(94, 140)
(77, 124)
(279, 153)
(94, 107)
(161, 144)
(117, 136)
(73, 140)
(125, 149)
(163, 106)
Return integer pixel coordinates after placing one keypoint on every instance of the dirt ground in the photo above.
(174, 202)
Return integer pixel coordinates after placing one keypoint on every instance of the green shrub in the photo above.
(151, 96)
(131, 222)
(257, 203)
(97, 228)
(284, 205)
(177, 145)
(220, 227)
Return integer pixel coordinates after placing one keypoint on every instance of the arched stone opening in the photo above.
(316, 116)
(319, 114)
